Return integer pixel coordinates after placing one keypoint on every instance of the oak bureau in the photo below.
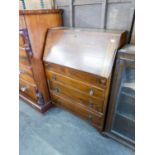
(33, 25)
(78, 65)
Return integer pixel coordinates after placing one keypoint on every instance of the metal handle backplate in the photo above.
(56, 90)
(24, 88)
(91, 92)
(53, 78)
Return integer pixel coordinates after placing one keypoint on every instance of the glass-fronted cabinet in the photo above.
(120, 123)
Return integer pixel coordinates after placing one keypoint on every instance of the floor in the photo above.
(59, 132)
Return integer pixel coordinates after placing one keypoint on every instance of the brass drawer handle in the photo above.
(91, 92)
(56, 90)
(47, 65)
(53, 78)
(102, 81)
(24, 88)
(27, 47)
(22, 48)
(21, 72)
(54, 101)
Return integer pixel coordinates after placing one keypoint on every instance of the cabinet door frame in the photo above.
(121, 63)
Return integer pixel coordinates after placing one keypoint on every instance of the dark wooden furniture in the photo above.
(120, 123)
(78, 64)
(32, 80)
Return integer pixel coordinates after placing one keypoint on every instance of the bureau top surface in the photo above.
(91, 51)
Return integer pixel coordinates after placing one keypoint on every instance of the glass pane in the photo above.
(126, 99)
(124, 119)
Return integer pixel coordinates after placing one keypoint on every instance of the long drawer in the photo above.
(96, 119)
(25, 73)
(85, 77)
(28, 89)
(91, 102)
(82, 86)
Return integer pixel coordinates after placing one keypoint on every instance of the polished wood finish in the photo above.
(22, 23)
(79, 47)
(42, 108)
(33, 28)
(25, 73)
(79, 85)
(89, 79)
(78, 64)
(28, 89)
(78, 96)
(24, 61)
(23, 54)
(96, 119)
(37, 25)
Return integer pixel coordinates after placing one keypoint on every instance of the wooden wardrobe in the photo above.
(33, 26)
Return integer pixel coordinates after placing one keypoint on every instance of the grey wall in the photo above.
(105, 14)
(108, 14)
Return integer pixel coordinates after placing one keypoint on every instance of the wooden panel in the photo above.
(95, 119)
(22, 45)
(40, 78)
(79, 85)
(23, 55)
(95, 50)
(45, 19)
(90, 79)
(28, 89)
(24, 61)
(38, 22)
(21, 42)
(25, 73)
(78, 96)
(22, 24)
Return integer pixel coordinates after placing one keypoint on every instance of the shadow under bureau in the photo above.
(78, 65)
